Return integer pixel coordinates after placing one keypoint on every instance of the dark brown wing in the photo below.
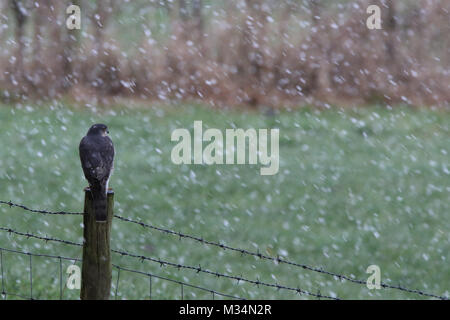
(97, 158)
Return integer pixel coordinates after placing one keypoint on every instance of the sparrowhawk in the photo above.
(97, 157)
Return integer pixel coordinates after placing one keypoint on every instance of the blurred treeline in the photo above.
(233, 52)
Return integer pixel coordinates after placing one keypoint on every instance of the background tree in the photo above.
(20, 15)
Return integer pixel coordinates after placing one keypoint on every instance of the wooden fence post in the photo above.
(96, 272)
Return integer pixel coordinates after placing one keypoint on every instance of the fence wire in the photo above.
(11, 204)
(5, 293)
(274, 259)
(220, 245)
(163, 263)
(182, 284)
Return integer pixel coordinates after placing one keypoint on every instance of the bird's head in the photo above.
(98, 129)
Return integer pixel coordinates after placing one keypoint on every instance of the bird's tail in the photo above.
(99, 202)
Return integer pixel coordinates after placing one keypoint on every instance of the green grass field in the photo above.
(355, 188)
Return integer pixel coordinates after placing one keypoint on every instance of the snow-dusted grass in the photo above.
(355, 188)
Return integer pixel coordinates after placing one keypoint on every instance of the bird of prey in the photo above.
(97, 157)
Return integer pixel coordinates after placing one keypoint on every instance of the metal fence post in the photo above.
(96, 273)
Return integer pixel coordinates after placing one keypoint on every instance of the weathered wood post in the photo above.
(96, 272)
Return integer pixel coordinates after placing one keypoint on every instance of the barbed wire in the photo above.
(199, 269)
(40, 255)
(11, 204)
(118, 267)
(257, 254)
(181, 283)
(179, 266)
(46, 239)
(274, 259)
